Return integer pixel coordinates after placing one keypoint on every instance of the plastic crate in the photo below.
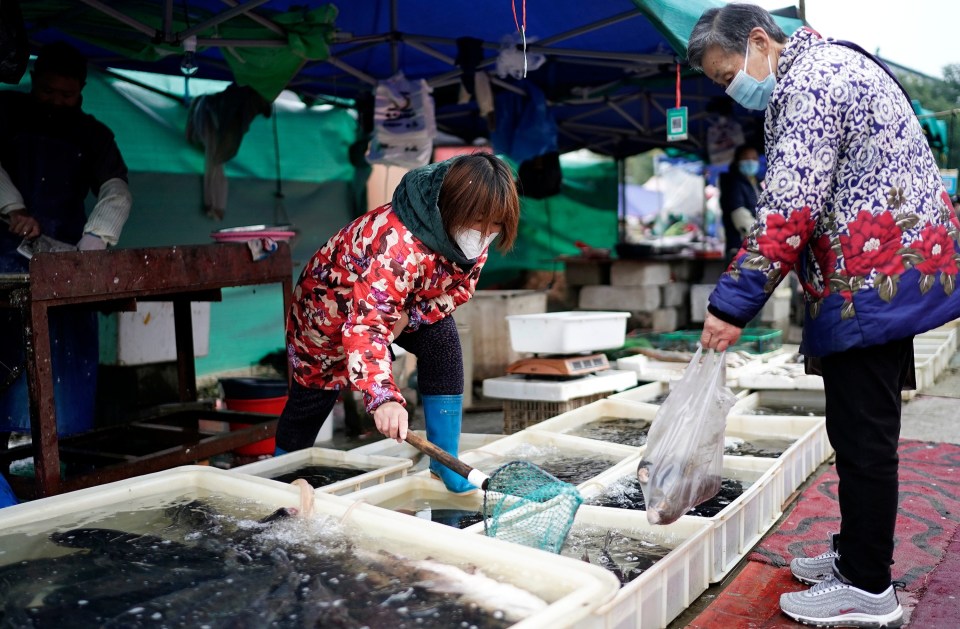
(741, 524)
(522, 414)
(380, 468)
(807, 398)
(665, 589)
(572, 420)
(394, 494)
(572, 588)
(752, 340)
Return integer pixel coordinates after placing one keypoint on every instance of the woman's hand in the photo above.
(402, 323)
(718, 334)
(391, 420)
(23, 225)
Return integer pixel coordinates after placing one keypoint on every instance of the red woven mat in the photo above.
(927, 522)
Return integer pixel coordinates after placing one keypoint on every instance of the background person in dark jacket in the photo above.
(739, 188)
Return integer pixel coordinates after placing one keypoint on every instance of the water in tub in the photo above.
(625, 493)
(795, 410)
(214, 561)
(625, 430)
(627, 554)
(751, 445)
(321, 475)
(568, 465)
(453, 510)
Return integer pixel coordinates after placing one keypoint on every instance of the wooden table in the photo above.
(116, 280)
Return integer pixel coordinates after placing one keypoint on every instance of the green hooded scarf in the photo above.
(415, 203)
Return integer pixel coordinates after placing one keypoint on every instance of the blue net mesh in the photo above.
(525, 505)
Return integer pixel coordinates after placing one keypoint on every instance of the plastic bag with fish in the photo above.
(683, 461)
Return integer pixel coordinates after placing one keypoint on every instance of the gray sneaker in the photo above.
(813, 570)
(832, 603)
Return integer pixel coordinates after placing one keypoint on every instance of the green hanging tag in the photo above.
(676, 124)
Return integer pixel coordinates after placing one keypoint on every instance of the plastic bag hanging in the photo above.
(683, 460)
(404, 123)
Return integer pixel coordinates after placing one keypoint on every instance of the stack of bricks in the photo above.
(656, 294)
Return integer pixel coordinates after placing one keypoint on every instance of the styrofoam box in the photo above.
(572, 588)
(389, 447)
(811, 399)
(382, 468)
(665, 589)
(519, 387)
(490, 457)
(567, 332)
(741, 524)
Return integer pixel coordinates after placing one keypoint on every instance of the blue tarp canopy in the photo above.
(609, 74)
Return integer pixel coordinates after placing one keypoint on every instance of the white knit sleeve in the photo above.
(111, 211)
(10, 197)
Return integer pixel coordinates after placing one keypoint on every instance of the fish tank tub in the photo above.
(196, 545)
(425, 498)
(785, 403)
(389, 447)
(327, 470)
(749, 503)
(573, 460)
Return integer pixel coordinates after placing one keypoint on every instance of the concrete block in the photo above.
(629, 298)
(632, 273)
(586, 273)
(675, 294)
(776, 308)
(682, 270)
(665, 319)
(699, 294)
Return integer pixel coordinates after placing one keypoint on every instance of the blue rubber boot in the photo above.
(443, 415)
(278, 451)
(7, 498)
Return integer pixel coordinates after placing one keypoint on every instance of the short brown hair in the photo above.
(480, 188)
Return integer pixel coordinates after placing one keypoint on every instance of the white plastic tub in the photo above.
(608, 408)
(389, 447)
(741, 524)
(810, 447)
(379, 468)
(568, 332)
(514, 448)
(518, 387)
(424, 492)
(806, 398)
(572, 588)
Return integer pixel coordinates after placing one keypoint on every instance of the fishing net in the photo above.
(525, 505)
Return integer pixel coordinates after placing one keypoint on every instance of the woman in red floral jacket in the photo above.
(855, 205)
(396, 274)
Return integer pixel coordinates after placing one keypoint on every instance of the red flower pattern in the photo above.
(784, 239)
(936, 247)
(872, 245)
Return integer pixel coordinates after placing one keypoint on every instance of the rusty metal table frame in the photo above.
(118, 278)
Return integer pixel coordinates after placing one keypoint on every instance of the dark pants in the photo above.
(439, 372)
(862, 388)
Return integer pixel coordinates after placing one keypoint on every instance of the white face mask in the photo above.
(472, 243)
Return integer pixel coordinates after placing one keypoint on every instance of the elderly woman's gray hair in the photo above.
(728, 27)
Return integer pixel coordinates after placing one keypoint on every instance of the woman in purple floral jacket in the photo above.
(854, 203)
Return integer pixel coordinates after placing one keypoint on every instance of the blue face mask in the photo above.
(750, 92)
(749, 167)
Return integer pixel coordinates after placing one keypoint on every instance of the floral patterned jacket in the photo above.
(854, 203)
(351, 294)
